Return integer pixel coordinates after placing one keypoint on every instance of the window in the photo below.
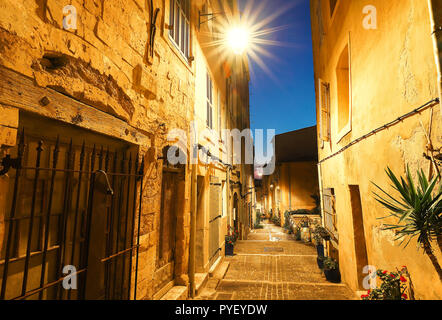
(209, 101)
(332, 6)
(179, 21)
(343, 82)
(324, 111)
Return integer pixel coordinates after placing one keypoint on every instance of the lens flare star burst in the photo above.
(245, 35)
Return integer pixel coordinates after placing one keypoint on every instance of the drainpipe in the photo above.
(435, 9)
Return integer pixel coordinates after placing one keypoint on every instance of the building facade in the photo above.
(294, 184)
(89, 94)
(377, 77)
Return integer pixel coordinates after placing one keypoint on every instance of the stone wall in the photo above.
(101, 77)
(104, 65)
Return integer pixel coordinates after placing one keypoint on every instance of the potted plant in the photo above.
(317, 239)
(320, 262)
(323, 233)
(230, 244)
(318, 242)
(298, 234)
(287, 226)
(305, 230)
(231, 238)
(393, 287)
(331, 270)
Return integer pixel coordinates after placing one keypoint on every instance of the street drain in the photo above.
(273, 249)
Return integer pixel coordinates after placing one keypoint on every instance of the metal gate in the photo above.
(70, 205)
(330, 217)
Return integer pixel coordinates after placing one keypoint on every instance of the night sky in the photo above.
(285, 101)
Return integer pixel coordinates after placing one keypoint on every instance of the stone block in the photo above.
(94, 7)
(176, 293)
(54, 12)
(9, 116)
(8, 136)
(138, 33)
(104, 33)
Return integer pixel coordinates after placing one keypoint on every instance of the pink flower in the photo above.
(403, 279)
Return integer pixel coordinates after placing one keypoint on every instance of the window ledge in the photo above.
(177, 51)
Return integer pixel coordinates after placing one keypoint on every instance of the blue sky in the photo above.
(287, 103)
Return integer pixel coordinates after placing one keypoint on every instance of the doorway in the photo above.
(72, 201)
(166, 249)
(358, 233)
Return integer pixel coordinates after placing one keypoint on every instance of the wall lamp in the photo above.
(237, 37)
(208, 16)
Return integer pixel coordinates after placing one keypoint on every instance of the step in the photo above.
(200, 282)
(359, 293)
(176, 293)
(158, 295)
(215, 266)
(221, 271)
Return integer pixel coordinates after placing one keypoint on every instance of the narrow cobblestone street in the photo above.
(271, 265)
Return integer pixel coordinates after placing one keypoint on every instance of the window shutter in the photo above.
(324, 109)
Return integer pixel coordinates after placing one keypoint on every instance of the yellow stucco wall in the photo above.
(299, 183)
(293, 185)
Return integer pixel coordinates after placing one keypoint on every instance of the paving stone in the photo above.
(274, 270)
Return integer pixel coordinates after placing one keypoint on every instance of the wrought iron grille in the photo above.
(70, 205)
(330, 217)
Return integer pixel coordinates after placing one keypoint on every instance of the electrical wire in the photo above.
(429, 104)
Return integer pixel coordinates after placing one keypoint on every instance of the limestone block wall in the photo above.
(104, 67)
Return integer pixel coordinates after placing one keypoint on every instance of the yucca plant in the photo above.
(418, 211)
